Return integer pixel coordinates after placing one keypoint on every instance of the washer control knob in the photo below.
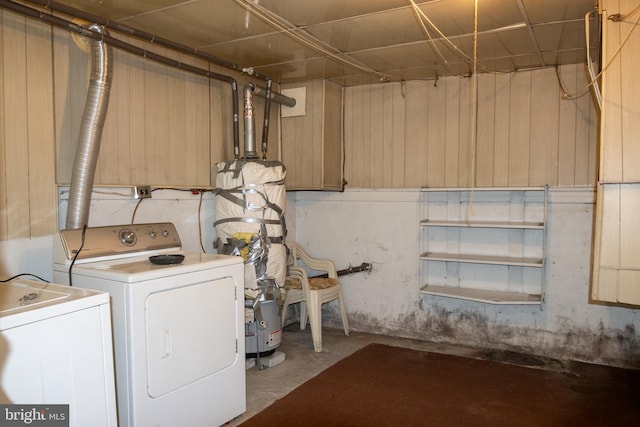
(153, 234)
(165, 233)
(128, 237)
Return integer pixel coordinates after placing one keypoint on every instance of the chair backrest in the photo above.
(300, 255)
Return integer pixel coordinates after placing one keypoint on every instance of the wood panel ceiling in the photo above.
(355, 42)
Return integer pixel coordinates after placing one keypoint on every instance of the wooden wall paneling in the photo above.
(220, 118)
(388, 132)
(398, 134)
(586, 133)
(519, 129)
(109, 158)
(465, 147)
(197, 136)
(350, 133)
(611, 151)
(376, 127)
(191, 93)
(307, 139)
(359, 177)
(138, 146)
(606, 252)
(313, 143)
(567, 132)
(416, 135)
(630, 64)
(485, 131)
(177, 162)
(354, 132)
(332, 142)
(291, 134)
(303, 140)
(436, 125)
(16, 126)
(120, 112)
(71, 79)
(629, 286)
(591, 122)
(452, 132)
(3, 159)
(302, 144)
(502, 116)
(156, 121)
(42, 193)
(545, 113)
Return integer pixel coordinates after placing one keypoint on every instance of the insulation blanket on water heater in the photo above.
(251, 198)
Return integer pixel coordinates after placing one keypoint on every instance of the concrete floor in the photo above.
(302, 363)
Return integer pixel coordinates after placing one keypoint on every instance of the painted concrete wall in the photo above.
(381, 227)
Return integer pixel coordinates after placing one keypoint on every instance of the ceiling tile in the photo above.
(304, 12)
(383, 35)
(544, 11)
(200, 23)
(262, 50)
(560, 35)
(118, 9)
(379, 29)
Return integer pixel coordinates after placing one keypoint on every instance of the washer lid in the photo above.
(24, 301)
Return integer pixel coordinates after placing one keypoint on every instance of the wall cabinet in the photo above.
(312, 142)
(483, 244)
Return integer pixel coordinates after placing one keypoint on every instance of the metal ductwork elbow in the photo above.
(95, 111)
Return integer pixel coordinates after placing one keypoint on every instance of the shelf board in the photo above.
(483, 259)
(484, 224)
(483, 295)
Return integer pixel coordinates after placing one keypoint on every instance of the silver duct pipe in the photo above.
(96, 106)
(250, 151)
(276, 97)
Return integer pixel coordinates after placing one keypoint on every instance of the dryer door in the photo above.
(190, 333)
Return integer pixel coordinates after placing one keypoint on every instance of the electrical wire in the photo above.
(594, 80)
(423, 16)
(193, 191)
(200, 222)
(431, 41)
(135, 210)
(23, 274)
(75, 257)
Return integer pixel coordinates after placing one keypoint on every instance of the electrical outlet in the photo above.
(142, 192)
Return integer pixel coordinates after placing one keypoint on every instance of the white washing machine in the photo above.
(178, 327)
(56, 349)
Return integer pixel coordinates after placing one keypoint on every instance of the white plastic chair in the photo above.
(312, 292)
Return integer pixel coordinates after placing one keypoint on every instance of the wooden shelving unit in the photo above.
(483, 244)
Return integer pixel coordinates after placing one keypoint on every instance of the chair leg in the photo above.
(343, 313)
(284, 313)
(303, 315)
(315, 319)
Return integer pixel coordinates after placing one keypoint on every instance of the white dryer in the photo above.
(178, 327)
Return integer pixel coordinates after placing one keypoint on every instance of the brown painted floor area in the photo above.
(302, 363)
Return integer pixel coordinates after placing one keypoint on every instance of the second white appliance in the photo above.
(56, 348)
